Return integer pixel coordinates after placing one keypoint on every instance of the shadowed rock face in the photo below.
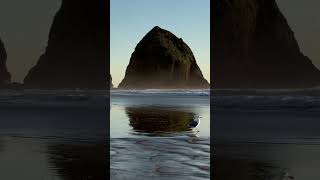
(162, 60)
(5, 76)
(110, 78)
(254, 47)
(76, 54)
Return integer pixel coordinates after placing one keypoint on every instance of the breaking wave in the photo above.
(267, 99)
(162, 92)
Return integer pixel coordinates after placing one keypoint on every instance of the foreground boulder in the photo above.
(76, 55)
(5, 76)
(254, 47)
(162, 60)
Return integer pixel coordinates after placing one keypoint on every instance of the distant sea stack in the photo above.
(76, 55)
(111, 85)
(254, 47)
(163, 61)
(5, 76)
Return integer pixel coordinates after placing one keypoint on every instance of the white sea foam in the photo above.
(267, 99)
(53, 97)
(161, 92)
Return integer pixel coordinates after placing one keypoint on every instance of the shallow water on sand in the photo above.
(54, 135)
(150, 137)
(270, 135)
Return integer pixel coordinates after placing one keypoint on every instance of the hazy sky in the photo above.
(304, 18)
(132, 19)
(25, 26)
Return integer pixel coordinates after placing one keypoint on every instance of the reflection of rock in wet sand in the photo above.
(152, 120)
(79, 161)
(241, 169)
(1, 144)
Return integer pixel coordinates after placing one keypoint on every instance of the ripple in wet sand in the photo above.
(160, 158)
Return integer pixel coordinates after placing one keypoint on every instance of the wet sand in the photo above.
(267, 136)
(150, 138)
(53, 135)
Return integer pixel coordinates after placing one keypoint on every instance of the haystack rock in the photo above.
(254, 47)
(162, 60)
(77, 52)
(5, 76)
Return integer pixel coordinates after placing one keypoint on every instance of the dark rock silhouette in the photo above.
(5, 76)
(162, 60)
(254, 47)
(76, 55)
(111, 85)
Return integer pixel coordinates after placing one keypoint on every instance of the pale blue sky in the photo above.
(132, 19)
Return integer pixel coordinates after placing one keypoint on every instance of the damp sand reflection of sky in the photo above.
(48, 135)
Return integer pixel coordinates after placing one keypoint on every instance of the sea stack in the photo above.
(254, 47)
(111, 85)
(5, 76)
(77, 52)
(162, 61)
